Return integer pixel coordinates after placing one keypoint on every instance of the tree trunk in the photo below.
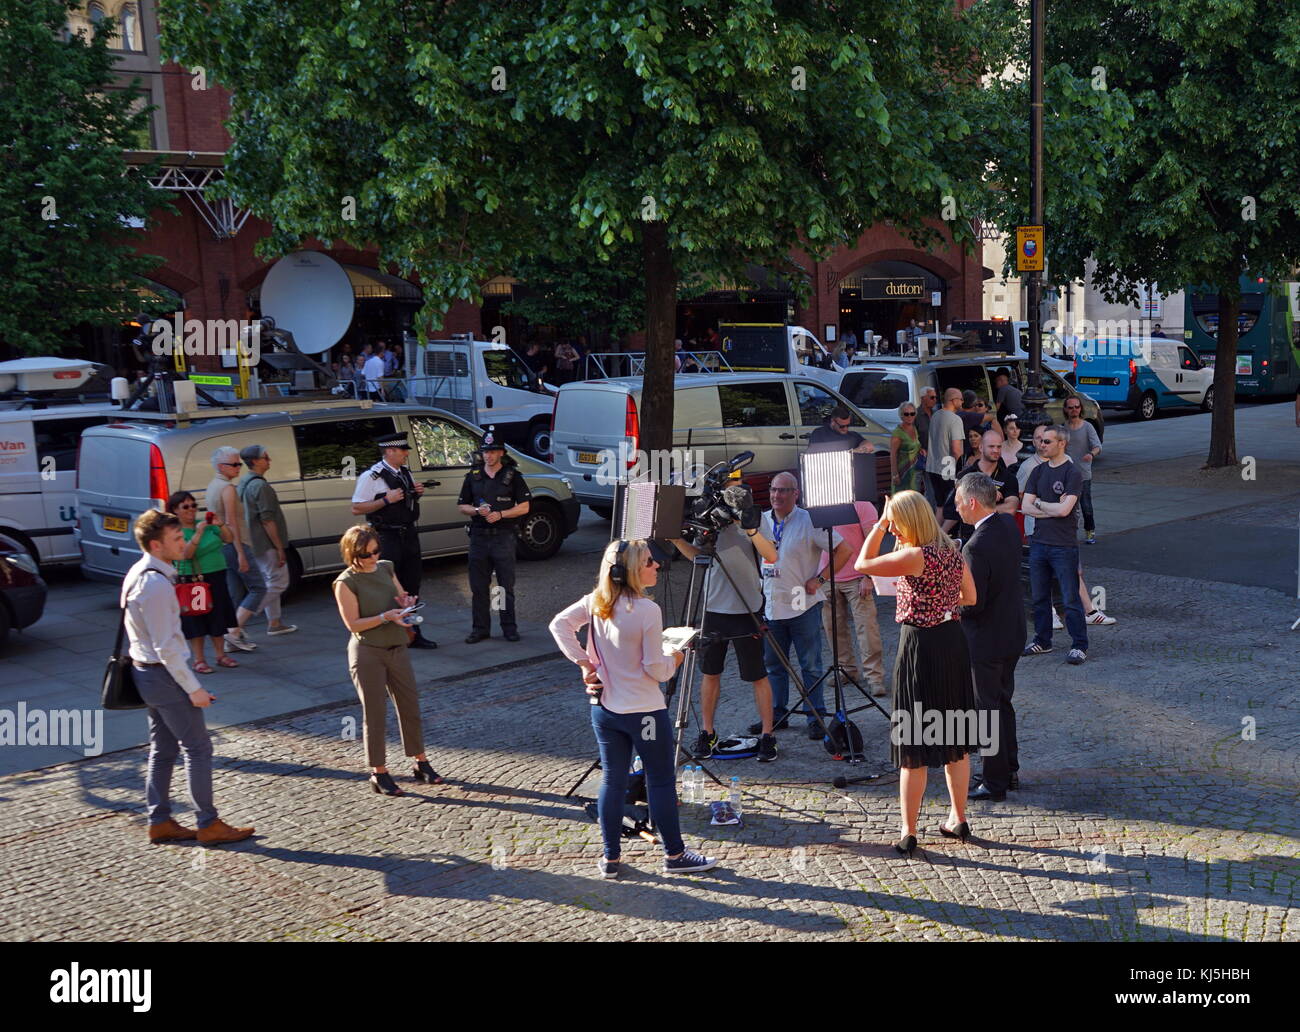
(660, 324)
(1223, 423)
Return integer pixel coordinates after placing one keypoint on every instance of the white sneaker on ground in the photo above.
(240, 642)
(1099, 618)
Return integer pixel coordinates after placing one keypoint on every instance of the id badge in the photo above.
(769, 570)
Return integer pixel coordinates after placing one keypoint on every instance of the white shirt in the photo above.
(370, 483)
(629, 657)
(373, 371)
(153, 620)
(799, 553)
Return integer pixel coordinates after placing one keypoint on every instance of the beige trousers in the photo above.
(377, 673)
(855, 612)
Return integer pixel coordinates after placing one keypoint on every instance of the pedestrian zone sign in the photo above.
(1029, 248)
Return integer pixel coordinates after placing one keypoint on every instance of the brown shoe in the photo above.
(170, 831)
(219, 831)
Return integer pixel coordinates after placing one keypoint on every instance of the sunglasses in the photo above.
(651, 561)
(369, 555)
(840, 426)
(906, 414)
(236, 464)
(187, 505)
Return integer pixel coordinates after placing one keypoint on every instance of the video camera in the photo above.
(722, 503)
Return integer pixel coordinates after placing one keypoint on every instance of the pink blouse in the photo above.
(627, 651)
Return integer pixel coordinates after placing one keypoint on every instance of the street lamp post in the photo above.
(1034, 398)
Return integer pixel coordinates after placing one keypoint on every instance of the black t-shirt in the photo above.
(1050, 483)
(503, 491)
(1008, 487)
(826, 438)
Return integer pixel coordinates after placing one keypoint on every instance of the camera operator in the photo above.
(733, 612)
(623, 665)
(792, 586)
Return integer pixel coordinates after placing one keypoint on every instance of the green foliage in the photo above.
(473, 135)
(64, 130)
(586, 296)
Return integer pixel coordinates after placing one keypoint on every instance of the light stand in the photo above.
(831, 482)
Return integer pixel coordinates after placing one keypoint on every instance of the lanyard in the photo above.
(778, 528)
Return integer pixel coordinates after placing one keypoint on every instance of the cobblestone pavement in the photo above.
(1144, 815)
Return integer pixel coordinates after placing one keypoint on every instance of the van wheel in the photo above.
(1207, 403)
(540, 532)
(18, 542)
(294, 562)
(605, 512)
(539, 440)
(1148, 407)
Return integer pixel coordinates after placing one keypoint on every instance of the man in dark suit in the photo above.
(994, 625)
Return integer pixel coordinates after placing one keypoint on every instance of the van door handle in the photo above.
(487, 402)
(804, 437)
(787, 437)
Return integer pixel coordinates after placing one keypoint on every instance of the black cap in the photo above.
(490, 440)
(392, 441)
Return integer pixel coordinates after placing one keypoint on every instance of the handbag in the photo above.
(119, 690)
(194, 596)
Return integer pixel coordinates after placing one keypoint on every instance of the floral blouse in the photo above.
(933, 595)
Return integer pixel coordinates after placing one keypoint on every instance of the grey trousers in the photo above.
(175, 724)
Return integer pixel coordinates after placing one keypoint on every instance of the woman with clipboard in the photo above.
(623, 665)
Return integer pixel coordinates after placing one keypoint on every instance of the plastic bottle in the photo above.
(735, 795)
(686, 789)
(697, 784)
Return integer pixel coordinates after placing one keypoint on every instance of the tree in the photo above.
(66, 194)
(597, 299)
(1203, 187)
(706, 134)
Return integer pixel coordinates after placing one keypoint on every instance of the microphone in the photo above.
(740, 461)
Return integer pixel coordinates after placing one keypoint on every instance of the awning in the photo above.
(367, 285)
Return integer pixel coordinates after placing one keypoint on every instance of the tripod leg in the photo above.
(595, 766)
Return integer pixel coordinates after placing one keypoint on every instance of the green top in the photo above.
(375, 594)
(908, 449)
(209, 557)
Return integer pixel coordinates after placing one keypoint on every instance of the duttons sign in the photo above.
(902, 288)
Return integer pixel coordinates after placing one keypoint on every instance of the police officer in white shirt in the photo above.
(792, 588)
(388, 496)
(173, 697)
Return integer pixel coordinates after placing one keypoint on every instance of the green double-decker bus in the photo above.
(1268, 358)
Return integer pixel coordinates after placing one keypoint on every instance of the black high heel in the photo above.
(424, 772)
(383, 784)
(906, 845)
(961, 831)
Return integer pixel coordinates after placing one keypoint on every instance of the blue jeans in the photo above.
(247, 590)
(650, 735)
(1055, 562)
(175, 723)
(805, 633)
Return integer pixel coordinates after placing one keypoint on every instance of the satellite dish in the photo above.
(309, 294)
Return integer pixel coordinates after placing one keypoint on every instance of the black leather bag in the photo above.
(120, 692)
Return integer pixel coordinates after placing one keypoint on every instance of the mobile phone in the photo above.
(412, 609)
(429, 484)
(209, 517)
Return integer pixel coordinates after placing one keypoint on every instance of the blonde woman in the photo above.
(932, 671)
(623, 665)
(371, 601)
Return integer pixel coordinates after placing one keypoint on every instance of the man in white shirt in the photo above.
(373, 371)
(172, 694)
(792, 590)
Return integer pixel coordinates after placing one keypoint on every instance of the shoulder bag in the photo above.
(119, 691)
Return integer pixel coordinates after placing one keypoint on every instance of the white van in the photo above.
(597, 424)
(317, 452)
(485, 383)
(41, 420)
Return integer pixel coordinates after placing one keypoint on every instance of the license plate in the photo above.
(591, 458)
(1090, 379)
(116, 523)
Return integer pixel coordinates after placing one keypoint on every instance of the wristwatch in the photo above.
(821, 579)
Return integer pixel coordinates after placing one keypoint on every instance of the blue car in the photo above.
(1144, 375)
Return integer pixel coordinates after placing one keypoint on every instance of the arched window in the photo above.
(96, 14)
(130, 21)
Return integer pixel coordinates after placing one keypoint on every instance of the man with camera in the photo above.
(733, 612)
(496, 497)
(388, 496)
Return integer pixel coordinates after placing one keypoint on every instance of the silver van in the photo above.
(716, 414)
(318, 450)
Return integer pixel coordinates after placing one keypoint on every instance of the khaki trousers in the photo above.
(377, 673)
(854, 611)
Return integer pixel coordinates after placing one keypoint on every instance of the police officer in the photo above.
(388, 496)
(495, 496)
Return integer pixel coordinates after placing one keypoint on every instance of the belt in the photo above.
(396, 528)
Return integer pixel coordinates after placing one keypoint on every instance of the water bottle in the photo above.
(685, 792)
(697, 784)
(735, 795)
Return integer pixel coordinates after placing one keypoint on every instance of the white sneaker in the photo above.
(1056, 621)
(240, 642)
(1099, 618)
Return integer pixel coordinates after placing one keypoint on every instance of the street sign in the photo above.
(936, 298)
(1029, 248)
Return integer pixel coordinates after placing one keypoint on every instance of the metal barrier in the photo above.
(632, 363)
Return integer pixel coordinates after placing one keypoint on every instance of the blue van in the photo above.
(1144, 375)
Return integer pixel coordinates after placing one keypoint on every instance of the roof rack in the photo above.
(304, 401)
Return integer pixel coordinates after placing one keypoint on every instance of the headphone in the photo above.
(617, 569)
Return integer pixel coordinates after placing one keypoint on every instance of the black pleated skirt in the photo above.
(931, 673)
